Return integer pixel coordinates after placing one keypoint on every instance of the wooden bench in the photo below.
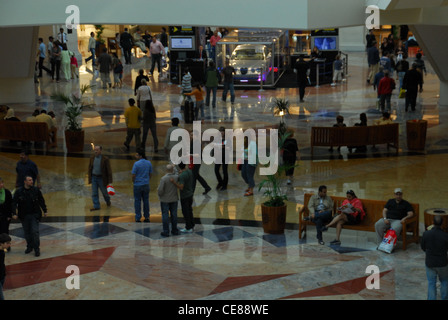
(355, 136)
(28, 131)
(374, 212)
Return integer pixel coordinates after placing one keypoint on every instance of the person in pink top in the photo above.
(213, 41)
(350, 212)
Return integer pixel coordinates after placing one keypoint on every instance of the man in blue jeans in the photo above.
(320, 207)
(168, 197)
(141, 174)
(435, 244)
(100, 176)
(228, 73)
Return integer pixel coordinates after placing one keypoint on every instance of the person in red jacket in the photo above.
(385, 88)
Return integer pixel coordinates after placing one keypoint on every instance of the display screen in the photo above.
(325, 43)
(182, 43)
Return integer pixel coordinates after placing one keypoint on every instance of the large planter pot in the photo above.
(74, 141)
(274, 219)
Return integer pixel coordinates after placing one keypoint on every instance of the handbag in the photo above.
(389, 241)
(110, 190)
(402, 93)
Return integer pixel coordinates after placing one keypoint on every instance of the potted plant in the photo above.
(273, 211)
(281, 108)
(74, 105)
(100, 43)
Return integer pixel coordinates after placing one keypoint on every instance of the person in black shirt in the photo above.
(302, 69)
(126, 42)
(395, 212)
(413, 83)
(138, 80)
(5, 244)
(29, 203)
(435, 244)
(290, 155)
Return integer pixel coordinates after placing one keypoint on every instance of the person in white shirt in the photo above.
(157, 50)
(92, 47)
(62, 36)
(144, 98)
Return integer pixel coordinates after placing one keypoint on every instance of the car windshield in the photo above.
(247, 54)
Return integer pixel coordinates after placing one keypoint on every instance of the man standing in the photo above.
(302, 70)
(157, 50)
(228, 73)
(320, 209)
(412, 83)
(168, 197)
(435, 244)
(185, 185)
(133, 115)
(42, 55)
(99, 175)
(168, 145)
(126, 42)
(141, 174)
(164, 39)
(395, 212)
(26, 167)
(62, 36)
(105, 66)
(29, 203)
(373, 59)
(92, 47)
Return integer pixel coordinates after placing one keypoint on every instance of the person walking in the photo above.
(196, 164)
(6, 209)
(141, 174)
(185, 185)
(126, 43)
(302, 70)
(91, 48)
(65, 62)
(100, 176)
(168, 196)
(373, 59)
(168, 145)
(29, 203)
(227, 73)
(26, 167)
(290, 155)
(56, 60)
(5, 245)
(198, 94)
(224, 179)
(133, 116)
(157, 51)
(42, 55)
(413, 84)
(105, 66)
(212, 79)
(385, 88)
(144, 98)
(435, 244)
(249, 166)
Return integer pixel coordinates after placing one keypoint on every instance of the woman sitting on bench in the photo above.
(351, 212)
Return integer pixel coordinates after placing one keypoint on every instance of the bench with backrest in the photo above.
(374, 212)
(355, 136)
(28, 131)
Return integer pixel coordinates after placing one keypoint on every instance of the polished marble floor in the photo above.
(228, 257)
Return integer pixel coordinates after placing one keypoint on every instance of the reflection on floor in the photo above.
(228, 256)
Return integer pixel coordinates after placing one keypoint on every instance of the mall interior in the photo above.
(229, 256)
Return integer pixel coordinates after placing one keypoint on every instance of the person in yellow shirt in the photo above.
(133, 116)
(198, 94)
(385, 119)
(44, 117)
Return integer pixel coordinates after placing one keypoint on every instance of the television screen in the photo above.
(325, 43)
(182, 43)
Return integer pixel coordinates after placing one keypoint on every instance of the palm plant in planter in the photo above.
(273, 210)
(74, 105)
(281, 108)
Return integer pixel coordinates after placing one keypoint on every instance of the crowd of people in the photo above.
(389, 61)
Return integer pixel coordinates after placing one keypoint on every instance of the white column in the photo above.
(443, 99)
(17, 61)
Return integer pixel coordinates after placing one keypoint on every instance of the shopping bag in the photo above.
(110, 190)
(402, 94)
(389, 241)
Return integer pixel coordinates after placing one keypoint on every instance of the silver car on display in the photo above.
(249, 60)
